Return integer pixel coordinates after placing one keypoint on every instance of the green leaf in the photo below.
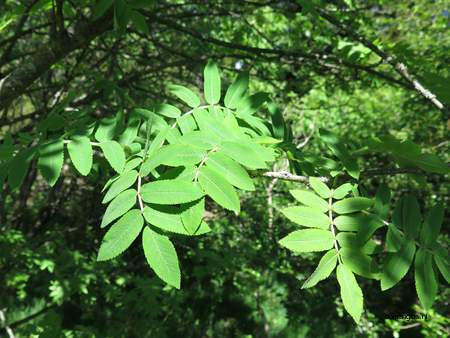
(230, 170)
(166, 217)
(382, 201)
(114, 154)
(250, 104)
(100, 8)
(310, 199)
(359, 262)
(319, 187)
(80, 152)
(308, 240)
(352, 222)
(212, 83)
(394, 239)
(432, 225)
(432, 163)
(411, 217)
(167, 110)
(161, 256)
(236, 91)
(132, 164)
(51, 159)
(243, 154)
(367, 232)
(342, 191)
(397, 265)
(119, 205)
(278, 124)
(192, 215)
(186, 95)
(173, 155)
(442, 260)
(348, 240)
(352, 204)
(170, 192)
(326, 266)
(139, 22)
(307, 216)
(351, 293)
(18, 167)
(124, 181)
(187, 124)
(121, 234)
(425, 278)
(218, 188)
(106, 129)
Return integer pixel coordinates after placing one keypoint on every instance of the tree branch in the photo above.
(399, 67)
(287, 176)
(21, 78)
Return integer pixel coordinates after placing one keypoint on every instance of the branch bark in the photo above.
(399, 67)
(287, 176)
(17, 82)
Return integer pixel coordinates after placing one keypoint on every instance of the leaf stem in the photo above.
(139, 183)
(95, 144)
(197, 172)
(332, 228)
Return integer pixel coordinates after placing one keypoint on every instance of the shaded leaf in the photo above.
(51, 159)
(425, 278)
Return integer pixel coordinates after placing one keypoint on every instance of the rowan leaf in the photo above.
(351, 294)
(326, 266)
(425, 278)
(442, 260)
(161, 256)
(167, 110)
(114, 154)
(234, 173)
(308, 240)
(211, 83)
(119, 206)
(186, 95)
(397, 265)
(342, 191)
(359, 262)
(310, 199)
(192, 215)
(51, 160)
(81, 154)
(243, 154)
(236, 91)
(432, 225)
(352, 204)
(170, 192)
(319, 187)
(121, 234)
(218, 188)
(307, 216)
(125, 180)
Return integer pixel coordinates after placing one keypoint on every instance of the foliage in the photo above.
(117, 144)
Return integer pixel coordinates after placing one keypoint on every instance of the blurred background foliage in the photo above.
(237, 281)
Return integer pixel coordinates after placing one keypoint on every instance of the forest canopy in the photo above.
(224, 168)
